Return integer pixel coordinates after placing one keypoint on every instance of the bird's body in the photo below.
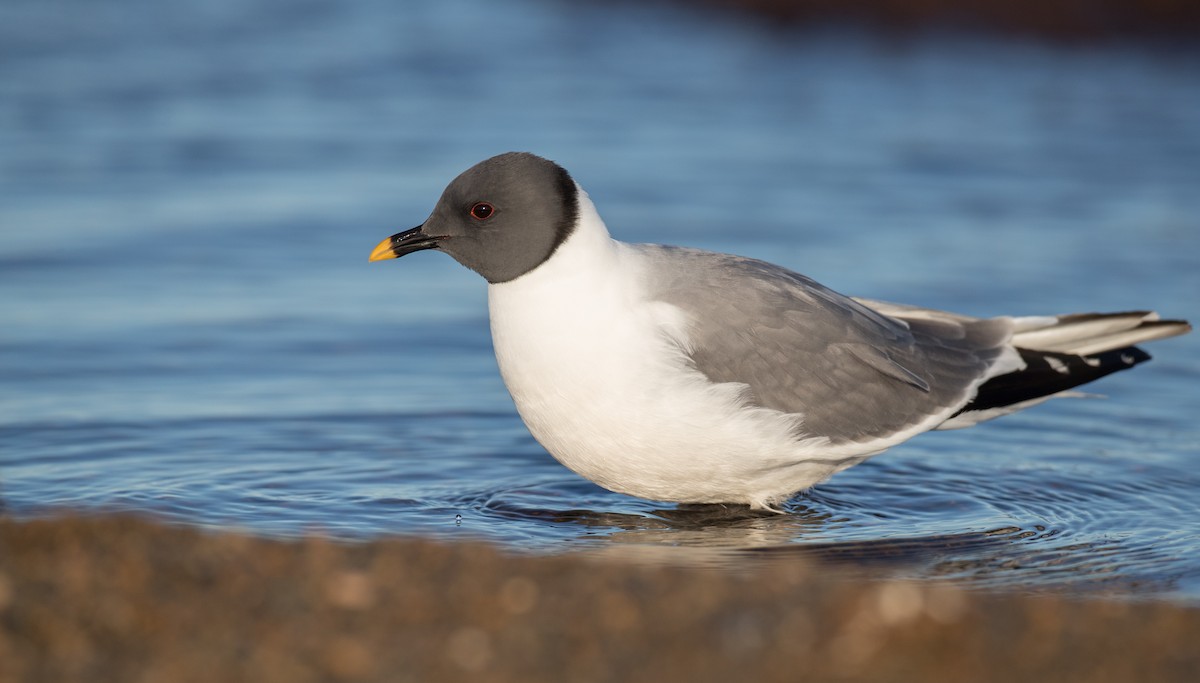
(683, 375)
(598, 369)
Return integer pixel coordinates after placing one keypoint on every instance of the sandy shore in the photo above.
(123, 599)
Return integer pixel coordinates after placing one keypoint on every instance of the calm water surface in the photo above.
(188, 195)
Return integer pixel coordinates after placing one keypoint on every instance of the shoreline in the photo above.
(122, 598)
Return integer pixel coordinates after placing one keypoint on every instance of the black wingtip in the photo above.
(1047, 372)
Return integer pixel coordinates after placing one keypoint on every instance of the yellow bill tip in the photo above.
(383, 251)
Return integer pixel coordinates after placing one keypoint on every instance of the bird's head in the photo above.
(501, 218)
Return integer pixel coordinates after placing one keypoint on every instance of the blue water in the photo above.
(188, 194)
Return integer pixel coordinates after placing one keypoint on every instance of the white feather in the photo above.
(1070, 336)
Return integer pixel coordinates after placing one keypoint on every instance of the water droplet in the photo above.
(457, 520)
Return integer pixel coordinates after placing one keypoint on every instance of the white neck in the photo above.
(587, 253)
(583, 284)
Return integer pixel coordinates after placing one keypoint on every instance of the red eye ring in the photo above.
(482, 211)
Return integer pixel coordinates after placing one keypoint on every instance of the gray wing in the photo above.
(853, 373)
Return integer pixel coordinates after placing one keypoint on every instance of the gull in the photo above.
(682, 375)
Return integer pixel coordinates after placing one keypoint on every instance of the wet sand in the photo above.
(125, 599)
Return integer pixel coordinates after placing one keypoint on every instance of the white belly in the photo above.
(597, 374)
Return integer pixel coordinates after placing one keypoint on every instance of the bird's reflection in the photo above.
(737, 537)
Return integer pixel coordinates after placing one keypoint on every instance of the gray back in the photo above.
(854, 374)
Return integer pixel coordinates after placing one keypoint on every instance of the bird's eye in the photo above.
(482, 211)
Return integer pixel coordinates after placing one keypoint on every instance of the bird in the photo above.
(687, 376)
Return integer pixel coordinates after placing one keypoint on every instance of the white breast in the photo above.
(597, 373)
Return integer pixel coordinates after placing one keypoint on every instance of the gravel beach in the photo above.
(117, 598)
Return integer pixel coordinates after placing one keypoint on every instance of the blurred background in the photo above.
(189, 192)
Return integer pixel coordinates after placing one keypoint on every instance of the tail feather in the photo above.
(1087, 333)
(1062, 353)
